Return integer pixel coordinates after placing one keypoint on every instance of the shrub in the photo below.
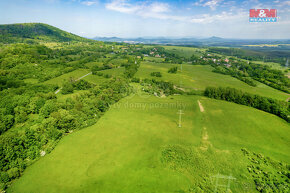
(173, 70)
(156, 74)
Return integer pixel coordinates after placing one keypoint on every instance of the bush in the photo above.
(107, 75)
(173, 70)
(137, 80)
(99, 74)
(67, 88)
(156, 74)
(13, 173)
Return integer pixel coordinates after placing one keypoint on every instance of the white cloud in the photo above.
(286, 3)
(224, 16)
(89, 3)
(162, 11)
(212, 4)
(159, 7)
(147, 10)
(123, 6)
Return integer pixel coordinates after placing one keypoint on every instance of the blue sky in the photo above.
(134, 18)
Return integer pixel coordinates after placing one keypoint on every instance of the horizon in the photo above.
(162, 18)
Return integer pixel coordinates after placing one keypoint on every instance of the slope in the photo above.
(23, 32)
(137, 146)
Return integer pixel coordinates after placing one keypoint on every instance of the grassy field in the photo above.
(198, 77)
(185, 51)
(153, 59)
(137, 146)
(95, 79)
(273, 65)
(74, 74)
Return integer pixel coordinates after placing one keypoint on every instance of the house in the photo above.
(226, 60)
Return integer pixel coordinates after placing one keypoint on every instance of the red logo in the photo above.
(263, 13)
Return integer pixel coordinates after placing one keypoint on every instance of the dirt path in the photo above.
(57, 91)
(200, 106)
(205, 143)
(84, 76)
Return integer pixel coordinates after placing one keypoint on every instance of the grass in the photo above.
(153, 59)
(186, 52)
(76, 93)
(31, 80)
(198, 77)
(91, 64)
(74, 74)
(137, 146)
(273, 65)
(95, 79)
(114, 71)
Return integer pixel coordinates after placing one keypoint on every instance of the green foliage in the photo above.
(135, 79)
(29, 32)
(51, 120)
(173, 70)
(268, 175)
(131, 67)
(71, 85)
(261, 73)
(158, 88)
(97, 68)
(156, 74)
(49, 107)
(253, 55)
(269, 105)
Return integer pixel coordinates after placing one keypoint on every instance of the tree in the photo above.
(173, 70)
(49, 107)
(67, 88)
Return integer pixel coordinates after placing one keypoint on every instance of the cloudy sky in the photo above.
(147, 18)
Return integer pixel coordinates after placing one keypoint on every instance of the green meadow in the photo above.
(74, 74)
(137, 146)
(198, 77)
(186, 52)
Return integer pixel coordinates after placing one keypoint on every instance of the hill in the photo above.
(28, 32)
(102, 117)
(137, 146)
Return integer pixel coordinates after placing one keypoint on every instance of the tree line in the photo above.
(279, 108)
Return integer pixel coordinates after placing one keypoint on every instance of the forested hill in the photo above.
(29, 32)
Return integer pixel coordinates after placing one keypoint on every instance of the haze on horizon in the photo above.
(151, 18)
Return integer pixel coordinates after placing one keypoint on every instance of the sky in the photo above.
(152, 18)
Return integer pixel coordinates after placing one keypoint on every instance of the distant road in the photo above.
(58, 90)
